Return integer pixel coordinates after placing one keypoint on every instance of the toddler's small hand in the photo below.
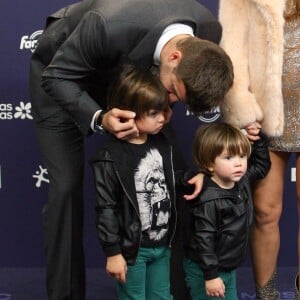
(252, 131)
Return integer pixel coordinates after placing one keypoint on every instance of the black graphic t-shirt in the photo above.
(152, 193)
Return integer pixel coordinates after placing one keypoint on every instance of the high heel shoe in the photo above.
(268, 292)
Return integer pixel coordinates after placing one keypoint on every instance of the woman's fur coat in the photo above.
(253, 36)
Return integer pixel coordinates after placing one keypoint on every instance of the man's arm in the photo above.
(65, 78)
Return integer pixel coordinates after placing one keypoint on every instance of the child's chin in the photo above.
(155, 131)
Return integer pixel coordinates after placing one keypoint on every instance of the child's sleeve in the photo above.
(259, 161)
(107, 206)
(204, 227)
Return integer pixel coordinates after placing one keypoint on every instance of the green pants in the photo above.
(196, 283)
(149, 277)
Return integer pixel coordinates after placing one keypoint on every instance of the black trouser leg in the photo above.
(178, 286)
(62, 151)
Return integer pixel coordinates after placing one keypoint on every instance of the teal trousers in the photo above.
(149, 277)
(196, 283)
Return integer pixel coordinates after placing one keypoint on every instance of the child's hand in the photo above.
(197, 181)
(252, 131)
(215, 287)
(116, 267)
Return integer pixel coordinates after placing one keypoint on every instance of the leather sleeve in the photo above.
(205, 235)
(107, 206)
(259, 161)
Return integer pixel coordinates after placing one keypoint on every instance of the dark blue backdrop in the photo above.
(23, 181)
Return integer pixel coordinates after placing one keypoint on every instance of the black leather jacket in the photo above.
(118, 220)
(221, 219)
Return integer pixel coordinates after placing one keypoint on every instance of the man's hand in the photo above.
(215, 287)
(120, 123)
(197, 181)
(116, 267)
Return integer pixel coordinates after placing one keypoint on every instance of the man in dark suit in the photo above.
(71, 68)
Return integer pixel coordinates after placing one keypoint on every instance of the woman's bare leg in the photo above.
(267, 199)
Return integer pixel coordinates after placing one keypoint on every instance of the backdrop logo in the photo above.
(247, 296)
(30, 42)
(21, 111)
(5, 296)
(293, 174)
(40, 177)
(207, 116)
(286, 295)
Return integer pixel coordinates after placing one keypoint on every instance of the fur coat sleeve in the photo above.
(253, 38)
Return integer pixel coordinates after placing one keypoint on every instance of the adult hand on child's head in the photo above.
(120, 123)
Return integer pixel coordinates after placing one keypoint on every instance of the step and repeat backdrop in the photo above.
(23, 178)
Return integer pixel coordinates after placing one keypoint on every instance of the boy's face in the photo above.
(228, 169)
(151, 122)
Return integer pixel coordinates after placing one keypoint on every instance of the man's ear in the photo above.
(175, 57)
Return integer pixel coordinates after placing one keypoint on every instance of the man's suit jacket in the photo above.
(82, 43)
